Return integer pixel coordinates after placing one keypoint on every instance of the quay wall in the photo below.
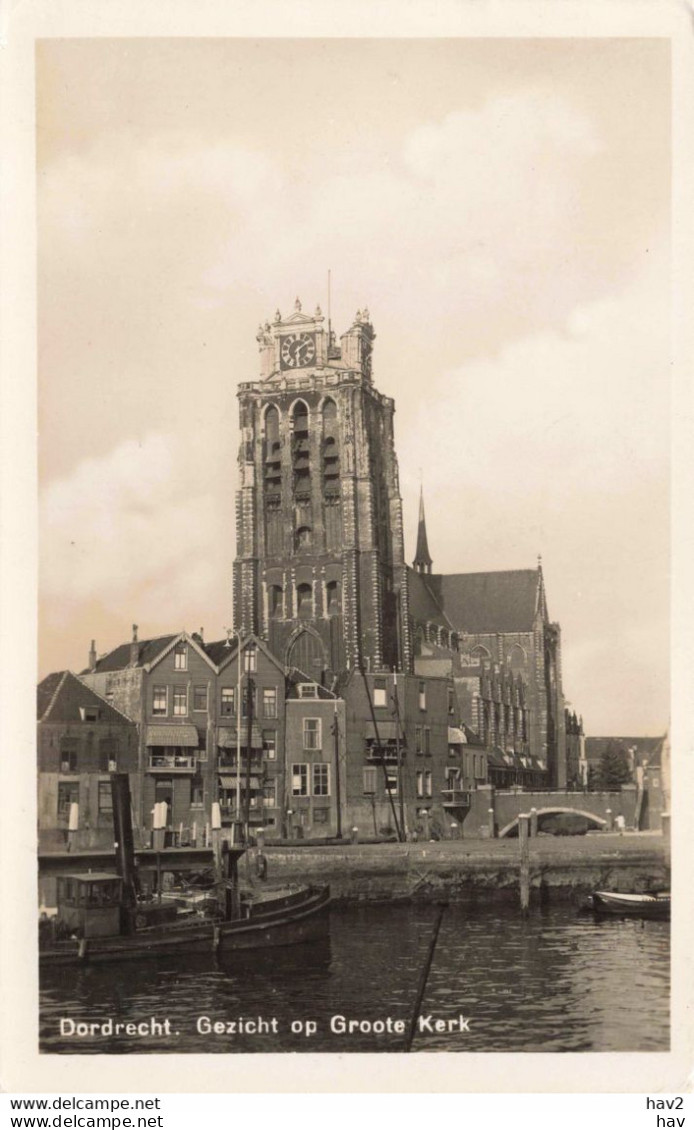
(465, 872)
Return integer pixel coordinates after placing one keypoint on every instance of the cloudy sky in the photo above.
(501, 206)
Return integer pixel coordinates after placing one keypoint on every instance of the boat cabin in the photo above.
(89, 904)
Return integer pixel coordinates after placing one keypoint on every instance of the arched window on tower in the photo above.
(330, 473)
(276, 602)
(304, 601)
(334, 598)
(300, 450)
(302, 539)
(272, 482)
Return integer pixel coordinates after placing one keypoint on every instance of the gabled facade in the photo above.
(81, 739)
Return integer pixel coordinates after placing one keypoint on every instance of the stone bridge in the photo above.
(500, 809)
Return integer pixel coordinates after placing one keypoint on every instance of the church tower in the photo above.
(320, 571)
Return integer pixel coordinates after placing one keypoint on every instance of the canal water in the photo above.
(557, 981)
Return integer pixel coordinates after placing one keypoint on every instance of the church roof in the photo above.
(479, 603)
(424, 607)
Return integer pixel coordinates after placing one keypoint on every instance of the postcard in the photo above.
(355, 348)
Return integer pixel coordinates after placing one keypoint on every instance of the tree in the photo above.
(615, 768)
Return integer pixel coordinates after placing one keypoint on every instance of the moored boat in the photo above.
(102, 917)
(655, 905)
(82, 930)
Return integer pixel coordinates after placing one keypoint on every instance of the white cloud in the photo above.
(139, 518)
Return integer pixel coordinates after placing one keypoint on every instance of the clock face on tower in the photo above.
(297, 350)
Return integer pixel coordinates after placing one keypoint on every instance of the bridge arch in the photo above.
(596, 821)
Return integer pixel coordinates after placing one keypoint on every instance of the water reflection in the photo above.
(556, 981)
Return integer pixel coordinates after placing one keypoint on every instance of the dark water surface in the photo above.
(558, 981)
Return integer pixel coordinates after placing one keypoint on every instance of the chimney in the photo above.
(134, 648)
(92, 656)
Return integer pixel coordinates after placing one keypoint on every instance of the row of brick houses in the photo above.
(383, 695)
(174, 713)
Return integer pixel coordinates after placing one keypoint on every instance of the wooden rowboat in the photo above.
(636, 905)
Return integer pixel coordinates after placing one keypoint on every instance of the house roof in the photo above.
(60, 695)
(479, 603)
(119, 658)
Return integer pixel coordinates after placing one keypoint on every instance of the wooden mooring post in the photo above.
(524, 842)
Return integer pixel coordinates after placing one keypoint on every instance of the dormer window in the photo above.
(181, 657)
(89, 713)
(308, 690)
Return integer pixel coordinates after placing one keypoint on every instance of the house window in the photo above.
(380, 692)
(89, 713)
(180, 701)
(68, 760)
(392, 781)
(420, 783)
(108, 753)
(321, 779)
(451, 701)
(244, 702)
(427, 739)
(312, 733)
(269, 745)
(427, 783)
(418, 745)
(369, 781)
(181, 657)
(200, 698)
(105, 797)
(321, 815)
(68, 793)
(159, 701)
(270, 794)
(422, 696)
(227, 703)
(250, 658)
(269, 702)
(299, 780)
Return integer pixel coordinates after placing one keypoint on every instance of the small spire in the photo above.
(422, 561)
(297, 306)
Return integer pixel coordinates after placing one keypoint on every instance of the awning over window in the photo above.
(226, 737)
(387, 732)
(230, 782)
(172, 736)
(456, 736)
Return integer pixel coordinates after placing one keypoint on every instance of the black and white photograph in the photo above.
(353, 725)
